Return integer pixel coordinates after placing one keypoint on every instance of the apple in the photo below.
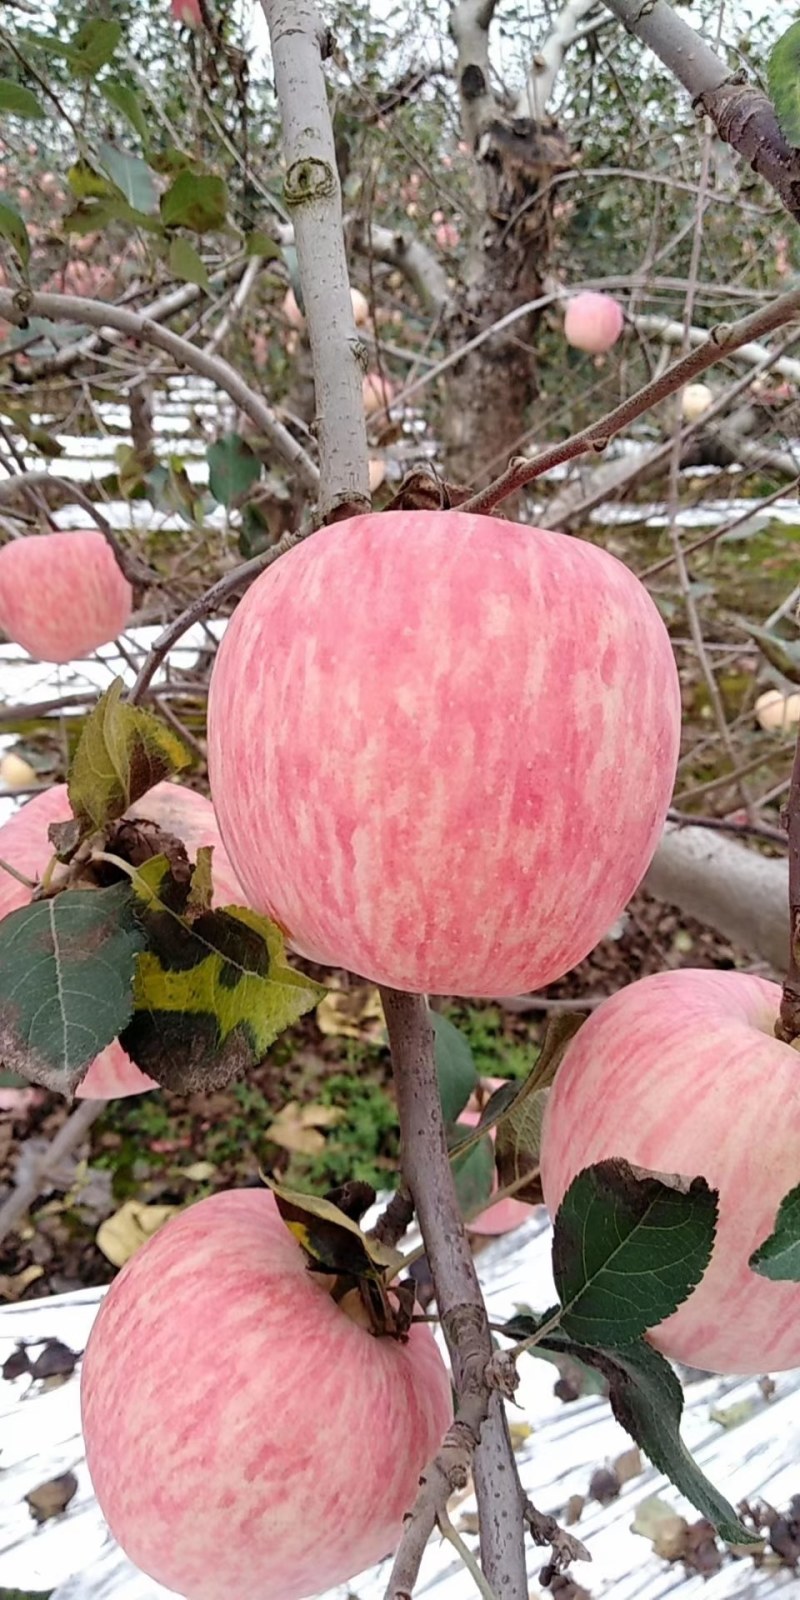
(244, 1436)
(681, 1073)
(16, 772)
(454, 785)
(505, 1215)
(377, 393)
(24, 844)
(377, 473)
(773, 710)
(188, 12)
(592, 322)
(296, 319)
(62, 594)
(695, 399)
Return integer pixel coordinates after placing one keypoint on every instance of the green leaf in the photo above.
(211, 993)
(627, 1250)
(41, 438)
(255, 534)
(454, 1066)
(123, 751)
(647, 1401)
(87, 184)
(778, 1257)
(17, 101)
(198, 201)
(520, 1110)
(125, 100)
(66, 982)
(783, 82)
(781, 653)
(233, 468)
(131, 176)
(260, 244)
(186, 264)
(473, 1175)
(95, 43)
(12, 228)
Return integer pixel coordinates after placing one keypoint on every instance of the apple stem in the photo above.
(788, 1024)
(480, 1429)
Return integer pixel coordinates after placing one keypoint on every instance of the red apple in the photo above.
(377, 393)
(62, 594)
(188, 12)
(244, 1437)
(24, 844)
(592, 322)
(681, 1073)
(454, 785)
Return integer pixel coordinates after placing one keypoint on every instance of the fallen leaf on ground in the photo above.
(52, 1498)
(120, 1236)
(351, 1014)
(14, 1284)
(296, 1127)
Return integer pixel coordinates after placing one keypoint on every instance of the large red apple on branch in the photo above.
(246, 1438)
(681, 1073)
(454, 785)
(62, 594)
(24, 844)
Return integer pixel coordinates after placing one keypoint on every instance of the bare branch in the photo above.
(741, 113)
(428, 1173)
(410, 256)
(69, 1134)
(753, 354)
(312, 193)
(725, 885)
(469, 25)
(98, 314)
(548, 60)
(788, 1027)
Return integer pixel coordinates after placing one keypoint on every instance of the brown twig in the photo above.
(721, 342)
(752, 830)
(479, 1436)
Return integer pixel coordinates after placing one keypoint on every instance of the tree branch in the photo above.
(788, 1025)
(17, 308)
(721, 342)
(741, 113)
(410, 256)
(312, 193)
(469, 25)
(480, 1415)
(725, 885)
(69, 1134)
(546, 62)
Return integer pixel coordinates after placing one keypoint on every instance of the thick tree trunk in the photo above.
(742, 894)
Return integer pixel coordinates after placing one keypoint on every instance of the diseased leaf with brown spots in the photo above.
(122, 752)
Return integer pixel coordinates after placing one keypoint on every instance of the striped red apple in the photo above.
(62, 594)
(681, 1073)
(243, 1435)
(442, 747)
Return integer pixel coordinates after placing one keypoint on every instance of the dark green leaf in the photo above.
(779, 1256)
(212, 992)
(186, 264)
(454, 1066)
(233, 468)
(781, 653)
(195, 200)
(783, 81)
(17, 101)
(66, 982)
(255, 534)
(123, 751)
(12, 228)
(474, 1174)
(131, 176)
(125, 100)
(627, 1250)
(95, 43)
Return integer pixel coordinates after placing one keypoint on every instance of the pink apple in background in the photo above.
(377, 393)
(294, 1473)
(681, 1073)
(447, 236)
(62, 594)
(507, 1214)
(377, 473)
(457, 792)
(24, 844)
(592, 322)
(188, 12)
(696, 398)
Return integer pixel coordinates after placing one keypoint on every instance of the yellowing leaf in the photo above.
(296, 1127)
(120, 1236)
(122, 752)
(351, 1014)
(199, 1171)
(12, 1285)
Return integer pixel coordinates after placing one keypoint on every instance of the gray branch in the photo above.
(546, 62)
(410, 256)
(427, 1171)
(313, 195)
(469, 25)
(742, 114)
(98, 314)
(723, 884)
